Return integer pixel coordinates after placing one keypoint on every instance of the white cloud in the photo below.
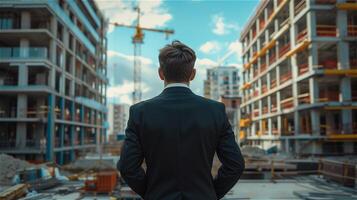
(123, 92)
(221, 27)
(210, 47)
(153, 13)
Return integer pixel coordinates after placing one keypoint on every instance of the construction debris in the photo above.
(14, 192)
(252, 151)
(9, 166)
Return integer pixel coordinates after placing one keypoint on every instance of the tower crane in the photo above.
(137, 41)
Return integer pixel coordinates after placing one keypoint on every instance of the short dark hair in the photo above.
(177, 61)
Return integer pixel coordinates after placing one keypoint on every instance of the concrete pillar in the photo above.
(315, 122)
(53, 53)
(25, 20)
(311, 24)
(50, 128)
(314, 90)
(21, 131)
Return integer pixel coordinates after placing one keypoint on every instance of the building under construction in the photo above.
(52, 78)
(300, 77)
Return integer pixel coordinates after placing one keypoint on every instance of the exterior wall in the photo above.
(220, 81)
(298, 90)
(118, 115)
(53, 97)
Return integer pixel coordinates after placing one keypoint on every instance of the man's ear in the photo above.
(161, 73)
(193, 74)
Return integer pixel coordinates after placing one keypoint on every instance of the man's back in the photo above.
(178, 133)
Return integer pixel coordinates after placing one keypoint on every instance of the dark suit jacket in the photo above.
(177, 134)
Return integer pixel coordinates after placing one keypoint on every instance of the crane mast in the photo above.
(138, 40)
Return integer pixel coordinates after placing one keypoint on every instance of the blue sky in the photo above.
(211, 28)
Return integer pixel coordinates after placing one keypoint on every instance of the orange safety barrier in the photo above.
(352, 30)
(326, 30)
(303, 68)
(302, 35)
(285, 77)
(328, 64)
(284, 49)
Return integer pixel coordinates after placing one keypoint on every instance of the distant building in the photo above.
(223, 80)
(232, 104)
(118, 115)
(222, 84)
(52, 79)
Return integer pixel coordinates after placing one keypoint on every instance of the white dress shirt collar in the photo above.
(177, 85)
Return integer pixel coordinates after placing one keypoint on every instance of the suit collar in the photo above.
(177, 90)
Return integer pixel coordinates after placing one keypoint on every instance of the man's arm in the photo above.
(231, 158)
(132, 157)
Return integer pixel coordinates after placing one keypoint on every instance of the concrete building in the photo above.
(222, 84)
(222, 80)
(232, 104)
(52, 78)
(118, 115)
(299, 77)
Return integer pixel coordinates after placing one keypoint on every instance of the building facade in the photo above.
(52, 78)
(299, 77)
(222, 80)
(118, 115)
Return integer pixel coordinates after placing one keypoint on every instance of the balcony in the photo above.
(264, 89)
(263, 67)
(273, 108)
(328, 64)
(300, 6)
(354, 95)
(301, 36)
(287, 103)
(14, 52)
(304, 98)
(265, 110)
(352, 30)
(273, 84)
(272, 59)
(328, 95)
(256, 93)
(285, 77)
(256, 113)
(303, 68)
(326, 30)
(284, 49)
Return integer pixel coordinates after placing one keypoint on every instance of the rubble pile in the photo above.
(83, 165)
(9, 166)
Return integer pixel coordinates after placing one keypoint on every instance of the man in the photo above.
(177, 134)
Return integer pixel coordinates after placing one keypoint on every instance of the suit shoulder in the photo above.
(210, 102)
(140, 105)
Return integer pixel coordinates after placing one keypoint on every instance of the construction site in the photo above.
(292, 106)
